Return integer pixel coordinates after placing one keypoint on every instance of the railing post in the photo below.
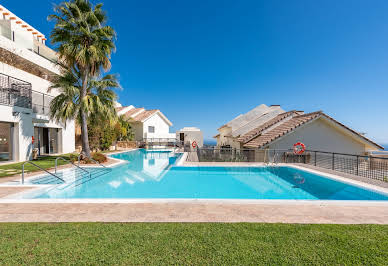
(332, 163)
(357, 164)
(315, 158)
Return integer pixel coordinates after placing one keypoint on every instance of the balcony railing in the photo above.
(41, 103)
(24, 41)
(15, 92)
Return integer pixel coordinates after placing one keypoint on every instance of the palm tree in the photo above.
(85, 44)
(97, 102)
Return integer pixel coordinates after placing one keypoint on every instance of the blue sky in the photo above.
(204, 62)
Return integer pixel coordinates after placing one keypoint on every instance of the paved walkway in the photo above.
(193, 212)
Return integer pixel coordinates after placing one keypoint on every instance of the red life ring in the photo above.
(299, 148)
(194, 144)
(33, 139)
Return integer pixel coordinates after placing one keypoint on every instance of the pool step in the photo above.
(75, 176)
(84, 179)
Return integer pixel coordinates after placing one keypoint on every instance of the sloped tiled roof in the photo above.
(290, 125)
(257, 131)
(144, 115)
(281, 130)
(118, 109)
(133, 111)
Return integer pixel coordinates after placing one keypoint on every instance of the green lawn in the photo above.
(193, 244)
(45, 162)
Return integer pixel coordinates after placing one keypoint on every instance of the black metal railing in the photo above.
(373, 167)
(161, 142)
(15, 92)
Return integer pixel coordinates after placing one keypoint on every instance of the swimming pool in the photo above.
(154, 175)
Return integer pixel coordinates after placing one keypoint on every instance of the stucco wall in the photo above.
(24, 122)
(138, 131)
(191, 136)
(320, 135)
(162, 129)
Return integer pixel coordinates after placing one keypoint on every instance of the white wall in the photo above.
(191, 136)
(37, 83)
(162, 129)
(320, 135)
(26, 120)
(138, 131)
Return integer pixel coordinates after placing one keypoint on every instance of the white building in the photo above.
(190, 134)
(147, 125)
(316, 130)
(26, 72)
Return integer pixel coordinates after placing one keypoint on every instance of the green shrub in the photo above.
(73, 157)
(99, 157)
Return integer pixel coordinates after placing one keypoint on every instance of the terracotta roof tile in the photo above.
(118, 109)
(292, 124)
(281, 130)
(131, 112)
(144, 115)
(257, 131)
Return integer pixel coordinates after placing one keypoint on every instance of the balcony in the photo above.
(41, 103)
(27, 41)
(16, 92)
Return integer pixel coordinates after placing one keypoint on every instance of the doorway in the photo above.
(46, 140)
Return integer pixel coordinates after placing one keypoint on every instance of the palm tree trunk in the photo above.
(84, 122)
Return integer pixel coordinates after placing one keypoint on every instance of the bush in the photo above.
(99, 157)
(73, 157)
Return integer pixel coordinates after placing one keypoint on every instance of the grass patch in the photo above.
(45, 162)
(193, 244)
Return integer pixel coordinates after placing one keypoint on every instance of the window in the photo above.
(151, 129)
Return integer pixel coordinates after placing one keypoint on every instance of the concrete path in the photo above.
(193, 212)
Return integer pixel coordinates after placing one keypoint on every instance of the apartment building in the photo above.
(27, 69)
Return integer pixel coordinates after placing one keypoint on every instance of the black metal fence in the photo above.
(15, 92)
(374, 167)
(151, 143)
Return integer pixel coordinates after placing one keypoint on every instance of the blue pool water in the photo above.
(148, 174)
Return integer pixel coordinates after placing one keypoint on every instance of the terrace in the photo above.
(19, 93)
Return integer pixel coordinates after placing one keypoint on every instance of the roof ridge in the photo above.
(312, 113)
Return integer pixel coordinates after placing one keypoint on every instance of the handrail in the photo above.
(40, 169)
(63, 159)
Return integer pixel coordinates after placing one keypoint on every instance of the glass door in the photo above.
(5, 142)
